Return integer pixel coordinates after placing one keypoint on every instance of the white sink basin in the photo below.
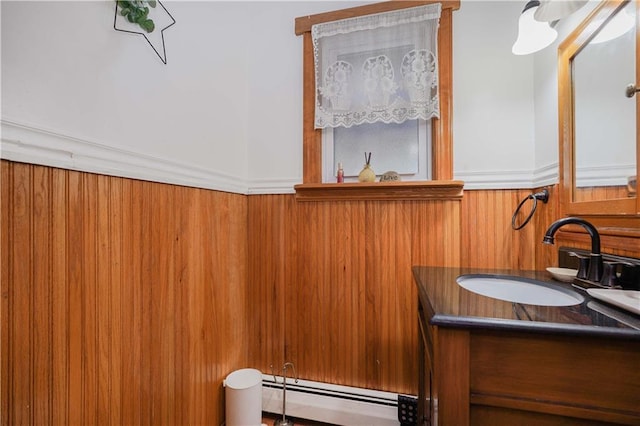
(519, 290)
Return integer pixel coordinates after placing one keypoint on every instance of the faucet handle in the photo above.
(579, 256)
(610, 273)
(584, 265)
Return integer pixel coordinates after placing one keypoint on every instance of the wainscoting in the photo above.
(128, 302)
(122, 300)
(333, 279)
(335, 283)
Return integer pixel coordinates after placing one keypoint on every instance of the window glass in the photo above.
(402, 148)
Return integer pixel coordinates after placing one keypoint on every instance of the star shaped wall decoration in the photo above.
(163, 20)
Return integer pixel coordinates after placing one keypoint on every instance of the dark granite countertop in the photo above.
(446, 304)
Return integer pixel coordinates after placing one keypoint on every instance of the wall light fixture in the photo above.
(532, 35)
(554, 10)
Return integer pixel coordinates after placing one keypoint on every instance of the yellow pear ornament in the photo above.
(367, 174)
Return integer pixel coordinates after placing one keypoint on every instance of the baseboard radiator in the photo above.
(335, 404)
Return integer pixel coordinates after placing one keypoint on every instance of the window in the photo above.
(440, 151)
(376, 89)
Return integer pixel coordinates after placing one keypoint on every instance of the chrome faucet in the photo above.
(594, 272)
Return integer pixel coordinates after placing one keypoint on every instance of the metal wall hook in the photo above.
(631, 90)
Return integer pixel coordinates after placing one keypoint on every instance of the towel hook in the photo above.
(631, 90)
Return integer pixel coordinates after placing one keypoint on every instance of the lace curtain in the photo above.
(377, 68)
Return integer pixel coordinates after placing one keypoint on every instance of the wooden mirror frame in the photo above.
(616, 213)
(441, 186)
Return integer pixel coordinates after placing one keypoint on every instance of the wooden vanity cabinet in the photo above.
(425, 369)
(443, 388)
(479, 376)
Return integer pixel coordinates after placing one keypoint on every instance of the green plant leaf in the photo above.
(137, 13)
(147, 25)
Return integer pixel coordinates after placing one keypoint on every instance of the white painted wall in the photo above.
(66, 70)
(226, 111)
(493, 104)
(275, 92)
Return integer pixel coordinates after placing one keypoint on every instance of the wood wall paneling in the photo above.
(129, 302)
(5, 262)
(122, 301)
(344, 302)
(272, 264)
(594, 193)
(350, 310)
(488, 239)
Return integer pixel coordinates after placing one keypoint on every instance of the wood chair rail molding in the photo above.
(423, 190)
(442, 144)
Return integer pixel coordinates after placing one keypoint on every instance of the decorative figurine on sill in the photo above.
(390, 176)
(367, 174)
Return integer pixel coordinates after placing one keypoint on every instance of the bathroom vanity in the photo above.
(485, 361)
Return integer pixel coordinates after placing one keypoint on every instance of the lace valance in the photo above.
(377, 68)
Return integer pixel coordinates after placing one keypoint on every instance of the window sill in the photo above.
(414, 190)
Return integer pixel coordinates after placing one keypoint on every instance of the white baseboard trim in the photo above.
(328, 403)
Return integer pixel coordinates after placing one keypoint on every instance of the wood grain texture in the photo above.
(122, 301)
(442, 130)
(311, 137)
(271, 231)
(586, 378)
(338, 288)
(482, 415)
(451, 376)
(488, 239)
(600, 193)
(399, 191)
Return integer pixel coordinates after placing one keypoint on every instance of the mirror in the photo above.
(604, 117)
(598, 121)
